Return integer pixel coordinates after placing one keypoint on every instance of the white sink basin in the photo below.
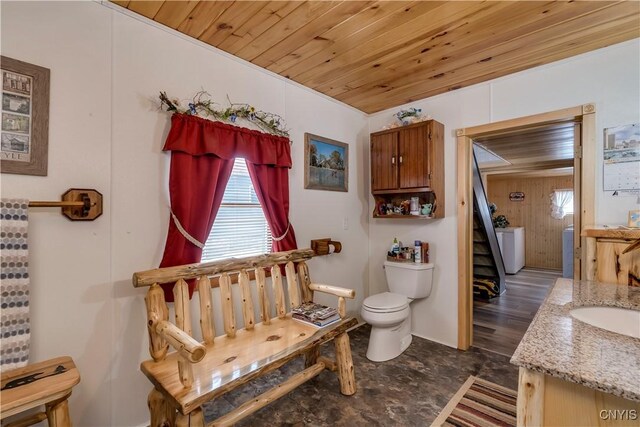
(619, 320)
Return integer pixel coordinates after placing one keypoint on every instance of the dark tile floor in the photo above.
(407, 391)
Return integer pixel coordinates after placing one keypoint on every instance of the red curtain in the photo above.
(202, 156)
(272, 188)
(196, 187)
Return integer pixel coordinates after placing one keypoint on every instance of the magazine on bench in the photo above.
(315, 314)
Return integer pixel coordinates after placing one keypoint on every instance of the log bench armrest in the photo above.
(182, 342)
(333, 290)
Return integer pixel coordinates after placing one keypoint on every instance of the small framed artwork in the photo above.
(25, 118)
(326, 164)
(516, 196)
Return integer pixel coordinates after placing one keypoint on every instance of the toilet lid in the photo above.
(386, 302)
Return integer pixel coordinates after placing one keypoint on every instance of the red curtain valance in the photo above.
(197, 136)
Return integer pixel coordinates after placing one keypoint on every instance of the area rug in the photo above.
(479, 403)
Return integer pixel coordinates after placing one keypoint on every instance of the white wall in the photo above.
(106, 132)
(72, 304)
(608, 77)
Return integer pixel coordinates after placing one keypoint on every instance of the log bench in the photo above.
(197, 372)
(47, 383)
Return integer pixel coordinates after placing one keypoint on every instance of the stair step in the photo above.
(487, 262)
(478, 235)
(483, 263)
(481, 251)
(484, 271)
(480, 248)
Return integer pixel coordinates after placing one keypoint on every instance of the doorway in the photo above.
(579, 122)
(526, 178)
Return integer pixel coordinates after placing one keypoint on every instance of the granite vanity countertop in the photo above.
(556, 344)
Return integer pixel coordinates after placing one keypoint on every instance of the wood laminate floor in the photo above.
(499, 324)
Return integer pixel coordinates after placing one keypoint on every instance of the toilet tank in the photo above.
(413, 280)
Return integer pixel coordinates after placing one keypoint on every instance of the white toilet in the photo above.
(389, 313)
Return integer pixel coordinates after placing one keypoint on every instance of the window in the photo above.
(240, 228)
(561, 203)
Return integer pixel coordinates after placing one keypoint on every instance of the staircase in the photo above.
(488, 267)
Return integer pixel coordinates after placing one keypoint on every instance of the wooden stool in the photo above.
(47, 383)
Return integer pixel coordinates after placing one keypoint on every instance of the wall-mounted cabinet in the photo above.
(408, 162)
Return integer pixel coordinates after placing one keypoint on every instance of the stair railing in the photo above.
(486, 222)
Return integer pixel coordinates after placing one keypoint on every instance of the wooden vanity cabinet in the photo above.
(605, 261)
(409, 161)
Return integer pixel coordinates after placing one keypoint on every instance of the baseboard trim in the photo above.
(434, 340)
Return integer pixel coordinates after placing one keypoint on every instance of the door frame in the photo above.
(583, 114)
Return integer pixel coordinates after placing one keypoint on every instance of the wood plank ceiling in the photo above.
(375, 55)
(531, 151)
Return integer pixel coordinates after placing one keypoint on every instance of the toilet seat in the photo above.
(385, 302)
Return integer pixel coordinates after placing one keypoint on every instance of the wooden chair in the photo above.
(47, 383)
(197, 372)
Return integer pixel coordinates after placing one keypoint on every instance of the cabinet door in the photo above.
(413, 157)
(614, 267)
(384, 161)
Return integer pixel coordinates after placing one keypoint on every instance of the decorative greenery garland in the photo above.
(202, 105)
(411, 112)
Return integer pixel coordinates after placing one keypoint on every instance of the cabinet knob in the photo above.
(393, 160)
(400, 159)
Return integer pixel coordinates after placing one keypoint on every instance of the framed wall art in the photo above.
(25, 118)
(326, 164)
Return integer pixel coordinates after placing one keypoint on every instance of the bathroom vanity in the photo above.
(605, 261)
(573, 373)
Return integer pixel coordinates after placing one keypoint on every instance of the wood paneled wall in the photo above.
(543, 234)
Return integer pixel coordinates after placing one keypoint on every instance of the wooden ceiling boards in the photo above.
(549, 148)
(375, 55)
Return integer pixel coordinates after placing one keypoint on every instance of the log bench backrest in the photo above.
(163, 333)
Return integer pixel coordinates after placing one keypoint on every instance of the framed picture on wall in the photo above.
(326, 164)
(24, 135)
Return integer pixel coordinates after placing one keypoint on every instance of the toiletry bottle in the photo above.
(395, 248)
(416, 251)
(425, 252)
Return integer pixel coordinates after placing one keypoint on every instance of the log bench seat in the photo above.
(47, 383)
(198, 372)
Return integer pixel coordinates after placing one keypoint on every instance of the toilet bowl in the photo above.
(390, 318)
(389, 313)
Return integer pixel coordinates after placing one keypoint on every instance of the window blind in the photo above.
(240, 228)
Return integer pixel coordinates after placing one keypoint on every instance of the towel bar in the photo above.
(77, 204)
